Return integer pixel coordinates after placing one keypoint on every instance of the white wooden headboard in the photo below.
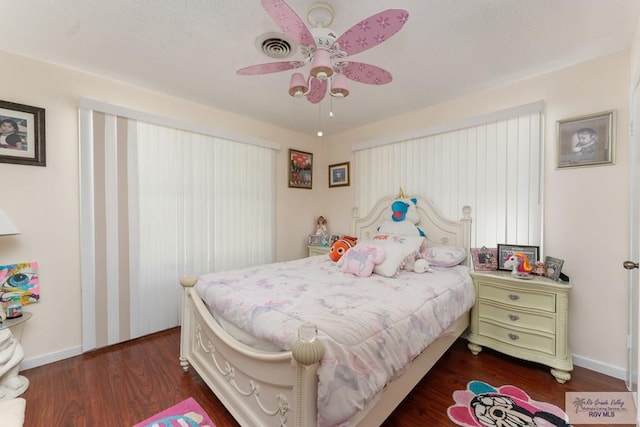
(440, 231)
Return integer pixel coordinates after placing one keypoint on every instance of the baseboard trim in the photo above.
(583, 362)
(603, 368)
(34, 362)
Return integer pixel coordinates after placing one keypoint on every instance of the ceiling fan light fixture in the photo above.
(339, 86)
(320, 15)
(321, 66)
(298, 86)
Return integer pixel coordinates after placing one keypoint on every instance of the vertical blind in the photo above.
(157, 203)
(494, 167)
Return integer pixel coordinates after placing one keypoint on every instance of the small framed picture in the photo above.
(317, 239)
(300, 169)
(531, 253)
(339, 175)
(587, 140)
(553, 267)
(484, 259)
(22, 134)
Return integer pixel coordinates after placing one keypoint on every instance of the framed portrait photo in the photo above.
(300, 169)
(587, 140)
(339, 175)
(22, 134)
(532, 253)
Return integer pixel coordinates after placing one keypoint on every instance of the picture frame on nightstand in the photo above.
(553, 267)
(531, 252)
(317, 239)
(484, 259)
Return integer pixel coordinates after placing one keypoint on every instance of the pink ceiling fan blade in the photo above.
(318, 90)
(271, 67)
(289, 22)
(372, 31)
(367, 73)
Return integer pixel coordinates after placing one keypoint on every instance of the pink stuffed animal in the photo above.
(360, 260)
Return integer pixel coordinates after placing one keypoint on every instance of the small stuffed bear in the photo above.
(360, 260)
(340, 246)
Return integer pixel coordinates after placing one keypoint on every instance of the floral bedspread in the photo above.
(371, 327)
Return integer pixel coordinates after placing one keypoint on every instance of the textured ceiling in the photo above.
(192, 48)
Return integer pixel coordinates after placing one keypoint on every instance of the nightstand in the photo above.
(318, 250)
(522, 318)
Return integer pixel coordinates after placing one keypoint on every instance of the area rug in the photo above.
(187, 413)
(482, 405)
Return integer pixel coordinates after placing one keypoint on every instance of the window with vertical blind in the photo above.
(160, 201)
(492, 164)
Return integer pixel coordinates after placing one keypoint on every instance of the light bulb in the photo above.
(320, 134)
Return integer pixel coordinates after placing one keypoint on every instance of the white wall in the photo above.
(43, 201)
(585, 209)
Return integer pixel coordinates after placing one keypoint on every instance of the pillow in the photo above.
(397, 248)
(361, 259)
(444, 256)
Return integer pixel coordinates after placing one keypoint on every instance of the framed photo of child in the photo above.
(22, 134)
(587, 140)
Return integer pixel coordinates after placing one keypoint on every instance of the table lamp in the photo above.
(7, 227)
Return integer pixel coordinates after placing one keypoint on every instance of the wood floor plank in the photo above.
(123, 384)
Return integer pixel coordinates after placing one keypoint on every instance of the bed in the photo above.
(262, 386)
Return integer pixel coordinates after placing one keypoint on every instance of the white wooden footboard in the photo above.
(258, 388)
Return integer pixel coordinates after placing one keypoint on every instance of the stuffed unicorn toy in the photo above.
(361, 260)
(403, 217)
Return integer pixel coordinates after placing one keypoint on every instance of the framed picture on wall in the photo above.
(587, 140)
(339, 175)
(22, 134)
(532, 253)
(300, 169)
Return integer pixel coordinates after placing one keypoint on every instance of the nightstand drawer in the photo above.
(518, 297)
(318, 250)
(517, 338)
(517, 318)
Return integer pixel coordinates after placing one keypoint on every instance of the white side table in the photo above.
(527, 319)
(11, 354)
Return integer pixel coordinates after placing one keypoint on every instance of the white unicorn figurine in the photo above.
(519, 264)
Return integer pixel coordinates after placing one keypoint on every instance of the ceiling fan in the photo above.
(327, 53)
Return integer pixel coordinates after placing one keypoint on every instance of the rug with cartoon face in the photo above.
(482, 405)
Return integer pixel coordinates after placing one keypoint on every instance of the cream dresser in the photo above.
(522, 318)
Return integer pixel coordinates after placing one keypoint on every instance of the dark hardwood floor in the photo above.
(126, 383)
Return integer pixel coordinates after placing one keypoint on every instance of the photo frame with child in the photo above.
(22, 134)
(587, 140)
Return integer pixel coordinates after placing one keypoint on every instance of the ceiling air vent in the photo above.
(274, 45)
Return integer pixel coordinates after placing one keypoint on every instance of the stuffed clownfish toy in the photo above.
(340, 246)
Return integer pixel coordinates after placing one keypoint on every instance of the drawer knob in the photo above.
(514, 317)
(513, 337)
(514, 297)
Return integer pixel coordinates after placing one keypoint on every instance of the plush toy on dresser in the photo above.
(403, 217)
